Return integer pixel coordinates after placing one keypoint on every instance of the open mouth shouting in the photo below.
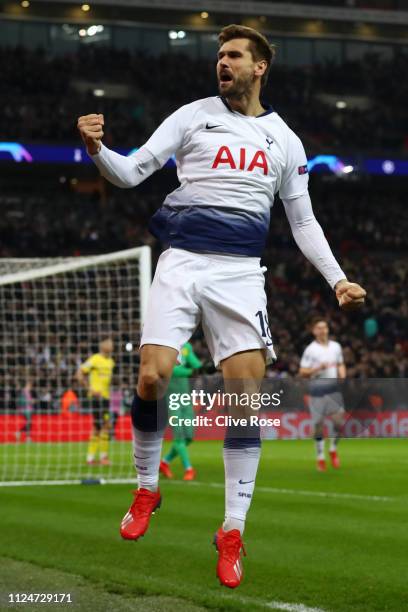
(225, 77)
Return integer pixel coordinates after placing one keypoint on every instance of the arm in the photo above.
(128, 172)
(125, 171)
(310, 372)
(310, 238)
(306, 230)
(341, 371)
(307, 370)
(341, 368)
(82, 378)
(82, 373)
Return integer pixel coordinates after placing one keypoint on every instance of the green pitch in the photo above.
(335, 542)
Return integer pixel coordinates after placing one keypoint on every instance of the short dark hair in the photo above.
(317, 320)
(259, 45)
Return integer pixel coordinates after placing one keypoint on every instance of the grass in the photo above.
(335, 541)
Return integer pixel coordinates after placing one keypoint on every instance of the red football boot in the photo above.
(165, 469)
(189, 474)
(321, 465)
(136, 520)
(229, 566)
(334, 458)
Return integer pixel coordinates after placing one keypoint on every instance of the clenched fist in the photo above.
(91, 129)
(350, 295)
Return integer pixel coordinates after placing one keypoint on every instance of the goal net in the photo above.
(54, 312)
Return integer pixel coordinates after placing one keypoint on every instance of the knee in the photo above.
(152, 384)
(318, 430)
(149, 378)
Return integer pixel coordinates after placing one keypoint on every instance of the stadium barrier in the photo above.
(293, 426)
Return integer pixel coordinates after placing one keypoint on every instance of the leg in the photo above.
(156, 366)
(243, 373)
(319, 442)
(149, 419)
(172, 316)
(104, 433)
(113, 419)
(317, 413)
(338, 422)
(181, 432)
(149, 416)
(167, 459)
(177, 430)
(26, 427)
(93, 445)
(181, 447)
(172, 454)
(236, 328)
(184, 436)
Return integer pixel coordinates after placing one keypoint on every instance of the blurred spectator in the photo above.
(25, 407)
(39, 100)
(367, 217)
(69, 402)
(364, 221)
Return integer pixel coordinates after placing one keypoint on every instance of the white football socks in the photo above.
(320, 448)
(241, 465)
(147, 448)
(333, 444)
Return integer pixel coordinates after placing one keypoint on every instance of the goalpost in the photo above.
(53, 313)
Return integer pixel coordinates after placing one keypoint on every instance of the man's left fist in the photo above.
(350, 295)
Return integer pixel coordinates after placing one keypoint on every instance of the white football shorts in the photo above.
(325, 406)
(223, 292)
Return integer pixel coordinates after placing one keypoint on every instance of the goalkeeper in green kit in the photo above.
(182, 434)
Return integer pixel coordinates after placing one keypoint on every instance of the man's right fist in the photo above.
(90, 128)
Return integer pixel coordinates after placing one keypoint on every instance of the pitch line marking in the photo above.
(291, 607)
(274, 605)
(219, 485)
(216, 485)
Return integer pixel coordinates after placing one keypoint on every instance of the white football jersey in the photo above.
(230, 166)
(315, 354)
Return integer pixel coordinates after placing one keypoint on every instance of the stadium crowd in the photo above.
(362, 219)
(40, 97)
(362, 223)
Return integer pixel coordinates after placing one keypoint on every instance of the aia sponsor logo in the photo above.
(241, 161)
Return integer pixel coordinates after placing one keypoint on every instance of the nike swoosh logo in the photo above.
(210, 127)
(245, 481)
(137, 457)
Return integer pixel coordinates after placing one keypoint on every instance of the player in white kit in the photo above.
(233, 154)
(322, 362)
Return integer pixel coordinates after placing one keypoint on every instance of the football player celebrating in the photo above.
(233, 154)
